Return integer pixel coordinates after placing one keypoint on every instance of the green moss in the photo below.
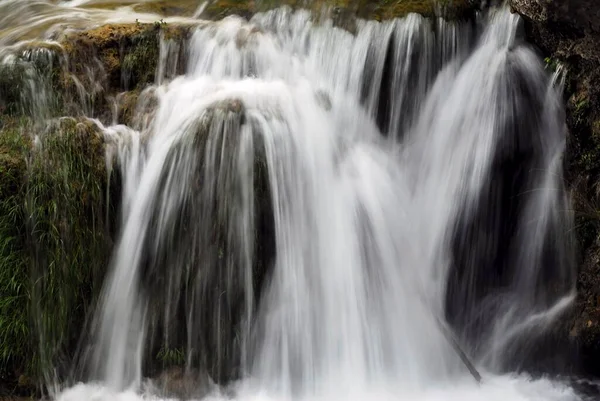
(140, 62)
(127, 106)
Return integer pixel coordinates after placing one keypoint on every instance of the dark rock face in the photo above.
(568, 31)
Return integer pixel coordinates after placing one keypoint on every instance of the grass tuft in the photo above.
(54, 242)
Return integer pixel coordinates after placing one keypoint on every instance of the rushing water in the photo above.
(324, 214)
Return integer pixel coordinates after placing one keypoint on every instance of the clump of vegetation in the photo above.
(551, 64)
(15, 291)
(171, 356)
(54, 241)
(140, 62)
(65, 204)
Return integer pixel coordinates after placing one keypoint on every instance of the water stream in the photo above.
(311, 211)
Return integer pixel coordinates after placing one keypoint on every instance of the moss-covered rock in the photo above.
(169, 8)
(30, 80)
(89, 67)
(126, 107)
(127, 53)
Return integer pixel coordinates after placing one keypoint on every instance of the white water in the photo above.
(363, 222)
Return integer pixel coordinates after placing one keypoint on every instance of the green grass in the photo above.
(54, 242)
(15, 291)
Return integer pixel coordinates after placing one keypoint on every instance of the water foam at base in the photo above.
(494, 388)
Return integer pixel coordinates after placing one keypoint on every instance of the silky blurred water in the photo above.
(382, 154)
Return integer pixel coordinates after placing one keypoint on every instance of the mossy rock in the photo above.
(128, 53)
(369, 9)
(33, 63)
(126, 106)
(113, 58)
(169, 8)
(378, 10)
(136, 108)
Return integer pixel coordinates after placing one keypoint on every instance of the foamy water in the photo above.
(494, 388)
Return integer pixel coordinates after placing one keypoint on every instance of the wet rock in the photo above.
(169, 8)
(568, 32)
(323, 99)
(205, 263)
(345, 12)
(181, 383)
(127, 54)
(586, 326)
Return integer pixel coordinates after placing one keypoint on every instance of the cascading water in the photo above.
(307, 207)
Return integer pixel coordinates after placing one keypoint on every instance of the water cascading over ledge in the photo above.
(305, 207)
(274, 233)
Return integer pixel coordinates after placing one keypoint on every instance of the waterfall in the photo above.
(311, 212)
(284, 222)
